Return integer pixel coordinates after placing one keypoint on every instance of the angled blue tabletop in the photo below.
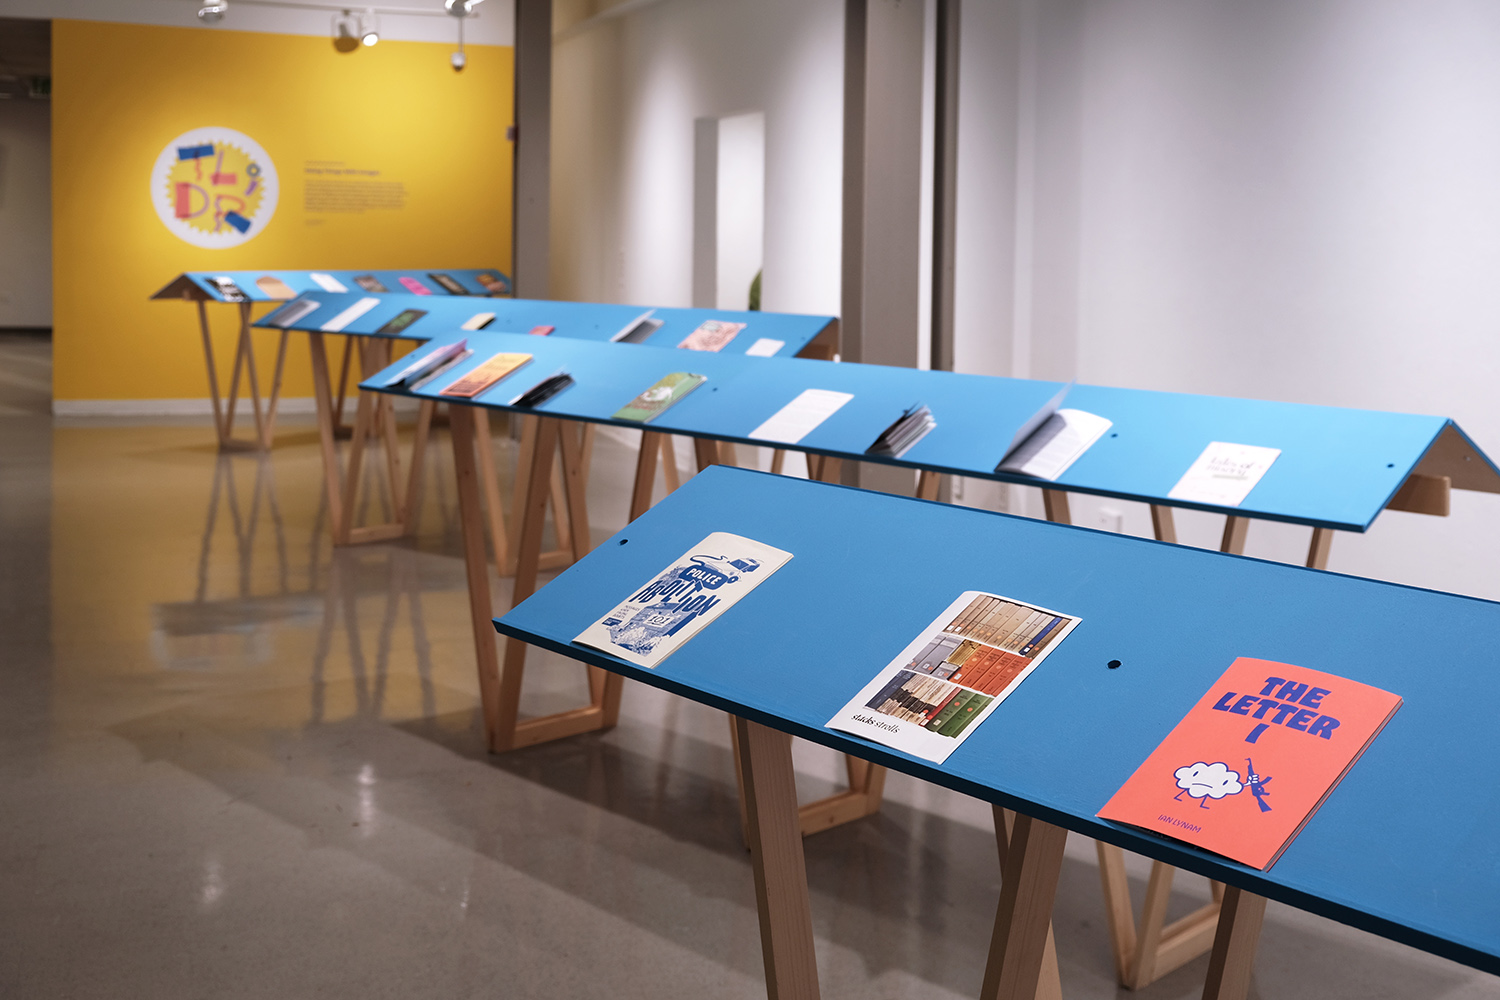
(276, 286)
(1394, 850)
(1338, 468)
(595, 321)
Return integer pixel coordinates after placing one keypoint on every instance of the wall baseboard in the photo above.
(289, 406)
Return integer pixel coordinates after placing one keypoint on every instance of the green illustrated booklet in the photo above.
(668, 390)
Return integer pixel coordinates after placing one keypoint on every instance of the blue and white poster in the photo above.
(698, 587)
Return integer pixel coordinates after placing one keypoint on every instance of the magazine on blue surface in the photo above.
(668, 610)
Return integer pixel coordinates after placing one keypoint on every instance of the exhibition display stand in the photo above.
(1338, 468)
(788, 655)
(386, 318)
(243, 289)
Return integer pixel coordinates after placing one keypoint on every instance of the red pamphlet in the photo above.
(1244, 771)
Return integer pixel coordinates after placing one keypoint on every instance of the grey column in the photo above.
(944, 181)
(882, 194)
(530, 244)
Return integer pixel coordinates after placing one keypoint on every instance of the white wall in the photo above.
(1290, 199)
(626, 91)
(741, 214)
(25, 213)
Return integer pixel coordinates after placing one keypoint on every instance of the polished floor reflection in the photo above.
(237, 763)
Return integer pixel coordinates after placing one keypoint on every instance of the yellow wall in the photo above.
(122, 92)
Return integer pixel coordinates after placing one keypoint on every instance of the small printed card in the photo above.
(478, 321)
(274, 288)
(487, 374)
(414, 286)
(327, 282)
(952, 676)
(668, 390)
(1247, 767)
(226, 287)
(711, 335)
(289, 314)
(370, 283)
(765, 347)
(797, 419)
(349, 315)
(399, 322)
(1224, 474)
(493, 283)
(707, 580)
(449, 284)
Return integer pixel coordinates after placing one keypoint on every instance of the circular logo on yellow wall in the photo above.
(214, 187)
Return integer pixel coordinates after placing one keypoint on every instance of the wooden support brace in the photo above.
(558, 557)
(863, 798)
(770, 794)
(1163, 524)
(1055, 505)
(1423, 494)
(505, 729)
(928, 484)
(1234, 946)
(476, 567)
(1235, 530)
(499, 534)
(1049, 984)
(1317, 552)
(1023, 920)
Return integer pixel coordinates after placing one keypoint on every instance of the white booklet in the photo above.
(327, 282)
(953, 674)
(796, 420)
(349, 315)
(707, 580)
(1224, 474)
(1057, 444)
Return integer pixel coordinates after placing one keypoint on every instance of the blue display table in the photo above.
(794, 650)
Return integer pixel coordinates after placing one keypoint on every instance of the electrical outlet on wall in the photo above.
(1110, 519)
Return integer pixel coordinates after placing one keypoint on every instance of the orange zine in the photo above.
(1244, 771)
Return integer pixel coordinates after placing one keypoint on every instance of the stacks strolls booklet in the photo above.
(1245, 770)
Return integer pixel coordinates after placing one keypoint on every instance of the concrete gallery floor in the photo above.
(236, 763)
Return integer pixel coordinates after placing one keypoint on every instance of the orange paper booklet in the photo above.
(486, 375)
(1244, 771)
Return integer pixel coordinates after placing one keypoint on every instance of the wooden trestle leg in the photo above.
(1145, 951)
(500, 682)
(264, 413)
(374, 415)
(1023, 959)
(763, 760)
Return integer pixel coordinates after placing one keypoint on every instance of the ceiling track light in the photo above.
(351, 30)
(213, 11)
(460, 9)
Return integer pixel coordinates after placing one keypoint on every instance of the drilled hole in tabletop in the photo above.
(1113, 664)
(624, 540)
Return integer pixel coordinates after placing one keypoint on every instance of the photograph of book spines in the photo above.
(983, 668)
(1006, 625)
(934, 704)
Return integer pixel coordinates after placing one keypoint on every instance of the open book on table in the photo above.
(1052, 440)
